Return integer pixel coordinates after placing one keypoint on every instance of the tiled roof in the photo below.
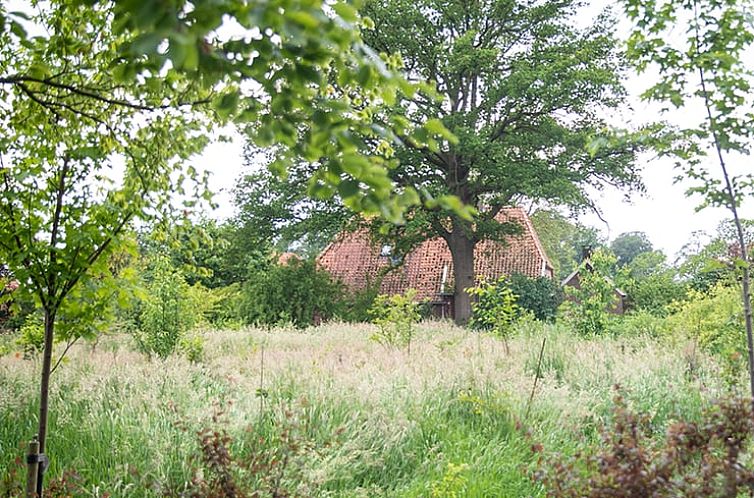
(355, 259)
(287, 257)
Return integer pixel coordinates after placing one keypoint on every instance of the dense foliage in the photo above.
(295, 293)
(396, 317)
(494, 308)
(627, 246)
(588, 306)
(541, 296)
(170, 308)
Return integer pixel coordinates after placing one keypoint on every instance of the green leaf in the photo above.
(364, 76)
(227, 105)
(303, 18)
(346, 12)
(348, 188)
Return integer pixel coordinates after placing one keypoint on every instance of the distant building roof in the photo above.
(287, 257)
(570, 279)
(358, 261)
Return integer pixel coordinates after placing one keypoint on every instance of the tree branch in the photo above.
(65, 351)
(58, 209)
(19, 79)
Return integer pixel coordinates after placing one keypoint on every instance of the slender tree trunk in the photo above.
(45, 390)
(733, 206)
(462, 251)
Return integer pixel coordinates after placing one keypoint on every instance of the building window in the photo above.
(387, 252)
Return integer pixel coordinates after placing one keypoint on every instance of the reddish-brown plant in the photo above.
(711, 458)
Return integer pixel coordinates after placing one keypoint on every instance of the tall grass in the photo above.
(371, 421)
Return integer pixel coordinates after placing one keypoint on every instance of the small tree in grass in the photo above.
(710, 65)
(588, 306)
(169, 310)
(396, 316)
(114, 79)
(495, 308)
(81, 156)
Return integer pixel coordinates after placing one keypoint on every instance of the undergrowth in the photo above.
(342, 416)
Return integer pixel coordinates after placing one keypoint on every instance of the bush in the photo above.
(703, 459)
(169, 309)
(297, 292)
(192, 347)
(31, 335)
(221, 305)
(495, 308)
(639, 323)
(587, 309)
(655, 292)
(541, 296)
(7, 344)
(356, 306)
(396, 317)
(715, 320)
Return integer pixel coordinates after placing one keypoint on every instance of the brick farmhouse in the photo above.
(359, 262)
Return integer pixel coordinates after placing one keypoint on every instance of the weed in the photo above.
(453, 483)
(702, 459)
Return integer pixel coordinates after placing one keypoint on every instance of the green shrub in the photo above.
(355, 306)
(31, 335)
(715, 320)
(221, 305)
(655, 292)
(297, 292)
(396, 316)
(587, 309)
(495, 307)
(541, 296)
(639, 323)
(7, 344)
(192, 347)
(169, 309)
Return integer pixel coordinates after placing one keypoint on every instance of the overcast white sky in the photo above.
(664, 212)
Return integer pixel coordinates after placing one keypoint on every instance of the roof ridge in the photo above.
(532, 232)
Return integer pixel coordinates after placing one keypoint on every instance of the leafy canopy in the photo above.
(710, 64)
(296, 75)
(627, 246)
(524, 91)
(81, 156)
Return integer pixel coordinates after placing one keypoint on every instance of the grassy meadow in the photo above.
(327, 412)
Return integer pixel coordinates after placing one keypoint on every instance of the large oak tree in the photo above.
(525, 92)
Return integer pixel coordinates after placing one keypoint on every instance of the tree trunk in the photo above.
(462, 250)
(745, 288)
(733, 207)
(45, 390)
